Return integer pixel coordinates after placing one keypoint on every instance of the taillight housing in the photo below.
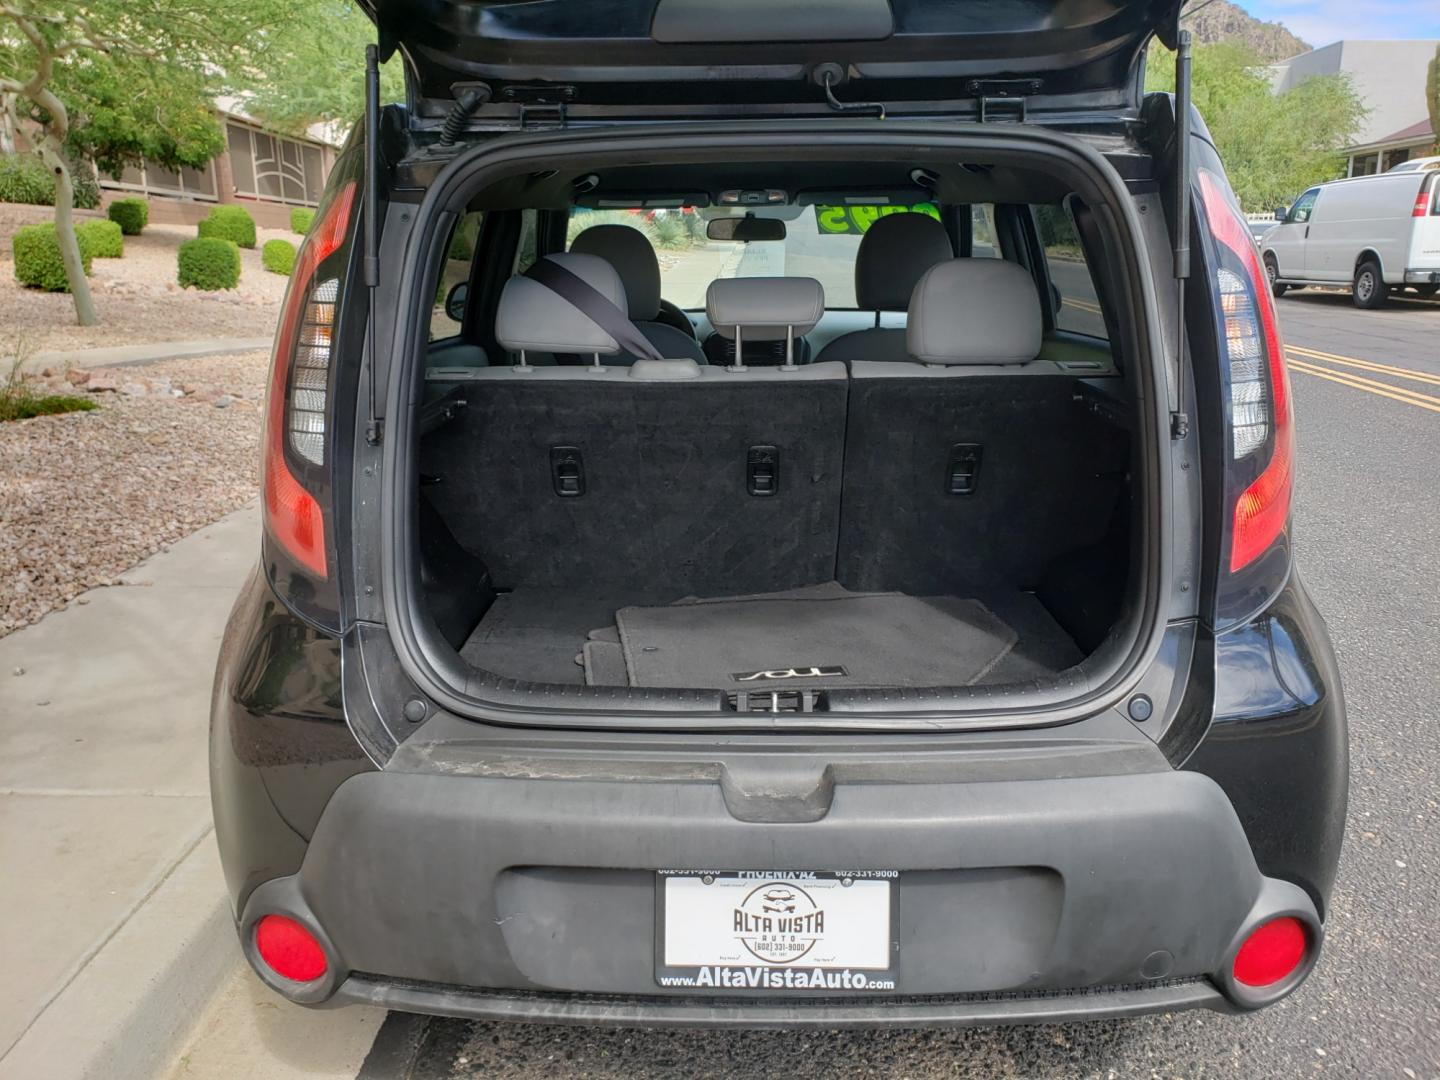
(1422, 201)
(1259, 449)
(298, 443)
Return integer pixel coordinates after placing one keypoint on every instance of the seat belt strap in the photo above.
(595, 306)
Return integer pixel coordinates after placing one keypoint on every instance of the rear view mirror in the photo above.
(455, 300)
(745, 229)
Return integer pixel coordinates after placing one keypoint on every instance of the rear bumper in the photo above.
(1018, 900)
(972, 1010)
(1422, 277)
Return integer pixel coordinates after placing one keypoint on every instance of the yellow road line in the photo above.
(1370, 386)
(1082, 305)
(1367, 365)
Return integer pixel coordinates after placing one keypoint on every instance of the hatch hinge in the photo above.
(1003, 101)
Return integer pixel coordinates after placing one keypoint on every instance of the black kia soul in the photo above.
(779, 516)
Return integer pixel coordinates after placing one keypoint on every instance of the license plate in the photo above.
(775, 930)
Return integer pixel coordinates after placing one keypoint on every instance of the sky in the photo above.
(1322, 21)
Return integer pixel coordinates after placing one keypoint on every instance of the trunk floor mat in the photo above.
(822, 637)
(548, 635)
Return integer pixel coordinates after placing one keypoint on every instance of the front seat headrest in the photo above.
(894, 252)
(975, 311)
(630, 253)
(764, 308)
(533, 318)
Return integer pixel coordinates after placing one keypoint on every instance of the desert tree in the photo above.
(120, 80)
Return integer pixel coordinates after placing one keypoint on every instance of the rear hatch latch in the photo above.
(1002, 100)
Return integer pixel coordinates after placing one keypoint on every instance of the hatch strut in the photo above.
(1180, 226)
(370, 210)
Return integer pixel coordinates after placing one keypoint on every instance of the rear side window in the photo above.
(983, 242)
(1070, 273)
(455, 270)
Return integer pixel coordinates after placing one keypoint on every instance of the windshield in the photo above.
(820, 242)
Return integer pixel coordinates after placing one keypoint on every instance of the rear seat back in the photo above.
(970, 467)
(698, 479)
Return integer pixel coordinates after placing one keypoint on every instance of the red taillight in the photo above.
(1272, 952)
(292, 514)
(1422, 202)
(289, 949)
(1263, 508)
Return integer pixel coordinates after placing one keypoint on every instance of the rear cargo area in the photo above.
(880, 555)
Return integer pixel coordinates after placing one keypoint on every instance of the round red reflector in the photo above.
(291, 951)
(1271, 952)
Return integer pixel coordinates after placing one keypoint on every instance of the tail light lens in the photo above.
(1422, 202)
(1262, 431)
(1272, 952)
(296, 408)
(289, 949)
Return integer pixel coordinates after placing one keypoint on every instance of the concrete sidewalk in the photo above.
(117, 931)
(125, 355)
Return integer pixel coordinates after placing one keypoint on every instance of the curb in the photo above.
(126, 355)
(132, 1005)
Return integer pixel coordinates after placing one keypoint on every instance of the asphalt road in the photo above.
(1367, 514)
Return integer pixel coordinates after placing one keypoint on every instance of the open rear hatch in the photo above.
(671, 58)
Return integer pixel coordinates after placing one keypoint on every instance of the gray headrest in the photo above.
(975, 311)
(764, 306)
(894, 252)
(630, 253)
(532, 318)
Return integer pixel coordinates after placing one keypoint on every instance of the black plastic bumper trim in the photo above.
(959, 1010)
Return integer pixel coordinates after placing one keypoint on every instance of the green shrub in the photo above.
(23, 402)
(24, 179)
(37, 258)
(232, 223)
(132, 215)
(671, 231)
(208, 262)
(84, 184)
(278, 256)
(103, 239)
(301, 219)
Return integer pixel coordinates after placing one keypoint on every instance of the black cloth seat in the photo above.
(894, 254)
(630, 253)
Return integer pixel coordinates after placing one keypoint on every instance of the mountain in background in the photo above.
(1220, 20)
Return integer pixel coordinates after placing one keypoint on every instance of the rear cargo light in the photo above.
(1272, 952)
(299, 380)
(289, 949)
(1259, 388)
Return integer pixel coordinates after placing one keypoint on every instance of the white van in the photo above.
(1374, 233)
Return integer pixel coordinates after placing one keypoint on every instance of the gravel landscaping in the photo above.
(136, 296)
(85, 496)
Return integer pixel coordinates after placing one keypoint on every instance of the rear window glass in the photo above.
(1079, 311)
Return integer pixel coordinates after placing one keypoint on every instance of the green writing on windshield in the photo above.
(856, 220)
